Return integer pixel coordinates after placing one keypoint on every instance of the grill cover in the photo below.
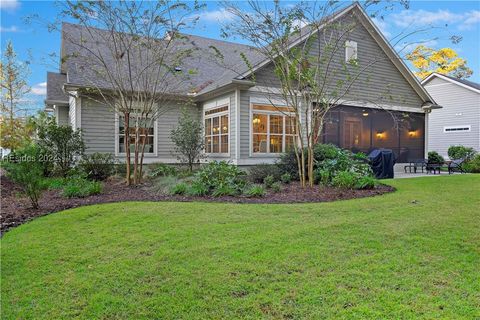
(382, 162)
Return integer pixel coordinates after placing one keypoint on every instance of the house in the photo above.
(241, 125)
(458, 123)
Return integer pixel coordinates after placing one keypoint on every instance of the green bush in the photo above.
(255, 191)
(180, 188)
(97, 166)
(224, 190)
(435, 158)
(259, 172)
(288, 163)
(55, 183)
(165, 184)
(322, 176)
(473, 165)
(461, 152)
(79, 187)
(366, 182)
(221, 174)
(25, 168)
(197, 190)
(276, 186)
(269, 181)
(344, 180)
(162, 170)
(286, 178)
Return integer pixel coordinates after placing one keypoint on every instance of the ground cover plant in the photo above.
(411, 254)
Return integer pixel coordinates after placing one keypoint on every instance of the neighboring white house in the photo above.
(458, 122)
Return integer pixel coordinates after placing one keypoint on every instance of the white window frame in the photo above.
(219, 115)
(467, 127)
(117, 138)
(351, 52)
(268, 112)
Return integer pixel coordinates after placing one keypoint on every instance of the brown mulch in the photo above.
(16, 210)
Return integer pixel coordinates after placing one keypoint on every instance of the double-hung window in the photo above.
(273, 129)
(216, 130)
(146, 133)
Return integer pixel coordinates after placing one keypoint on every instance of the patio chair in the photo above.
(416, 165)
(433, 167)
(456, 166)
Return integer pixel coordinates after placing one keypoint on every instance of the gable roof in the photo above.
(55, 94)
(473, 86)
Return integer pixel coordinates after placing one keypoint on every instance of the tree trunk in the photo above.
(142, 154)
(135, 163)
(126, 143)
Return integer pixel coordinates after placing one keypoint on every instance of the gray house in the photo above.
(458, 123)
(235, 103)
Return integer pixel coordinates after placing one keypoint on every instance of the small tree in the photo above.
(63, 145)
(445, 61)
(188, 139)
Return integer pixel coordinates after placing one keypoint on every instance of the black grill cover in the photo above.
(382, 162)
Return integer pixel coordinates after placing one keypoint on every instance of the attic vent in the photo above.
(350, 50)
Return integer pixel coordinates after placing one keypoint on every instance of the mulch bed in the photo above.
(16, 210)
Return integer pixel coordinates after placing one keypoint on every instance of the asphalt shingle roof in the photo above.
(466, 82)
(55, 82)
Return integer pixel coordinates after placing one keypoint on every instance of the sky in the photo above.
(442, 20)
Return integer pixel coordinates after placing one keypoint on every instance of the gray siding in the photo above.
(461, 106)
(62, 115)
(381, 83)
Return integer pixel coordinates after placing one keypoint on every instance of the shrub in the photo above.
(268, 181)
(461, 152)
(162, 170)
(276, 187)
(55, 183)
(218, 174)
(62, 143)
(98, 166)
(258, 173)
(197, 189)
(473, 165)
(224, 190)
(79, 187)
(288, 163)
(366, 182)
(179, 188)
(165, 184)
(322, 176)
(286, 178)
(255, 191)
(434, 157)
(344, 180)
(24, 168)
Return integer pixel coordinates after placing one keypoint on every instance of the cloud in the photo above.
(464, 21)
(40, 89)
(9, 29)
(9, 5)
(383, 26)
(220, 15)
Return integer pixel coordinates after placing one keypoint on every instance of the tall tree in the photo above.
(315, 63)
(13, 80)
(445, 61)
(129, 55)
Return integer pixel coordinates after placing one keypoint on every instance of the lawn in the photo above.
(411, 254)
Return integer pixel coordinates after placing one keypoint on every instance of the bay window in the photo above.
(273, 129)
(216, 130)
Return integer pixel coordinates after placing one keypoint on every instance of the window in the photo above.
(147, 134)
(216, 130)
(273, 129)
(456, 129)
(350, 51)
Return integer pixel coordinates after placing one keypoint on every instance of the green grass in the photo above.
(411, 254)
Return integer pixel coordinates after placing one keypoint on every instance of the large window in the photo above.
(273, 129)
(146, 130)
(216, 130)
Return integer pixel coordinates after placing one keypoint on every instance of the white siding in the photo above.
(461, 107)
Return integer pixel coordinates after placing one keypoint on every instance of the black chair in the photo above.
(433, 167)
(456, 166)
(417, 164)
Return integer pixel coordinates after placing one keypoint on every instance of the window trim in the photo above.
(267, 112)
(219, 115)
(467, 127)
(117, 136)
(350, 44)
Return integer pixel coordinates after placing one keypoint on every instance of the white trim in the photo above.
(218, 103)
(467, 127)
(441, 76)
(237, 124)
(353, 55)
(78, 111)
(266, 101)
(146, 155)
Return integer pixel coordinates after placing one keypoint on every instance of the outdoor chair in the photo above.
(417, 164)
(434, 167)
(456, 166)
